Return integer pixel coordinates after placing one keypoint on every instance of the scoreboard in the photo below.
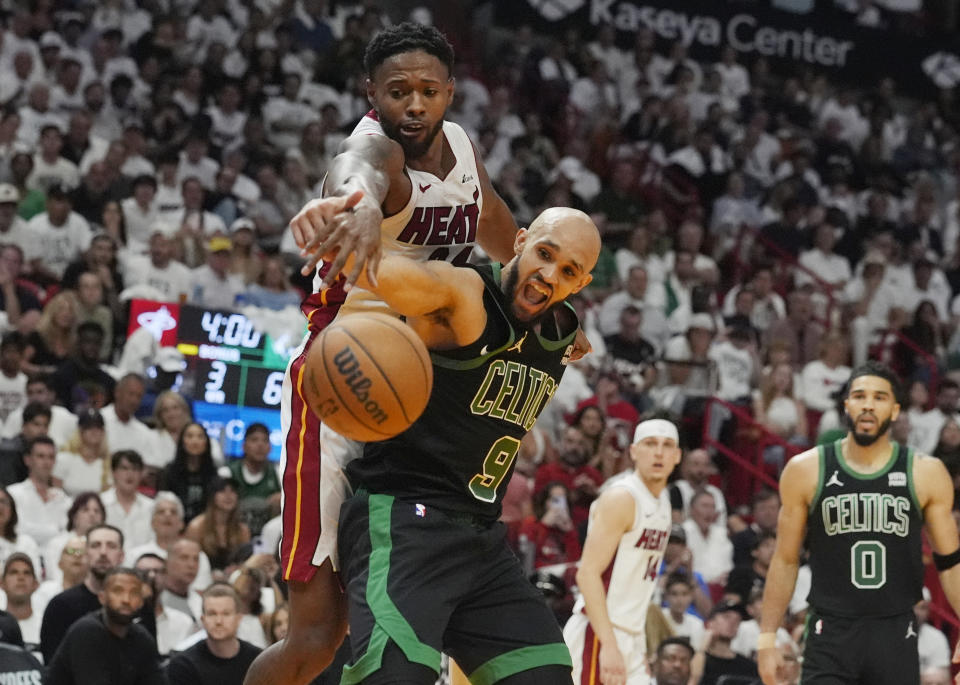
(234, 371)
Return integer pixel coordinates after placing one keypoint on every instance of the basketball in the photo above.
(368, 376)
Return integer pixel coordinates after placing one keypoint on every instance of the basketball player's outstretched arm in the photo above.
(611, 517)
(497, 228)
(797, 484)
(375, 165)
(935, 491)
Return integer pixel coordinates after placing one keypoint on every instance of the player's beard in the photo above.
(866, 439)
(511, 276)
(411, 149)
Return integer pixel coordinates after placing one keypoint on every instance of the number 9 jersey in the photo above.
(460, 453)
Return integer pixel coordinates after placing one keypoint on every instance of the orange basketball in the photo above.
(368, 376)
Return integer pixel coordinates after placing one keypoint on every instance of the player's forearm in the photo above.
(950, 580)
(777, 592)
(409, 287)
(365, 165)
(595, 602)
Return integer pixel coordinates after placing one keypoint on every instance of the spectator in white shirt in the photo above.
(194, 163)
(49, 167)
(212, 285)
(158, 269)
(925, 428)
(823, 377)
(63, 422)
(126, 508)
(931, 642)
(70, 568)
(172, 626)
(696, 468)
(140, 213)
(124, 430)
(12, 541)
(85, 513)
(678, 593)
(736, 79)
(58, 236)
(285, 116)
(13, 382)
(42, 508)
(19, 583)
(83, 461)
(707, 539)
(826, 265)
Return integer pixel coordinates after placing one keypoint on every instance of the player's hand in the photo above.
(769, 663)
(334, 228)
(581, 346)
(612, 669)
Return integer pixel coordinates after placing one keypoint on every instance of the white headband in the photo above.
(657, 428)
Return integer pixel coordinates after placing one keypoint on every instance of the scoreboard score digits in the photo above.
(234, 372)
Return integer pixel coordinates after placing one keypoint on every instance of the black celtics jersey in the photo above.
(459, 454)
(863, 534)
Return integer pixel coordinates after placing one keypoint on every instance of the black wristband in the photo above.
(945, 561)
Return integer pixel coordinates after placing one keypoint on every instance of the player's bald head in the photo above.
(571, 228)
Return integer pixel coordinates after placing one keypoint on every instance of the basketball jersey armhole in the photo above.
(821, 468)
(911, 485)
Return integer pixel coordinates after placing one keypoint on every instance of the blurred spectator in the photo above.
(931, 642)
(183, 564)
(158, 269)
(256, 478)
(172, 626)
(17, 664)
(55, 338)
(124, 430)
(248, 585)
(190, 473)
(49, 166)
(220, 659)
(721, 660)
(764, 509)
(91, 297)
(277, 624)
(799, 330)
(246, 257)
(925, 428)
(272, 289)
(41, 507)
(212, 285)
(571, 470)
(125, 507)
(672, 663)
(62, 423)
(707, 539)
(219, 530)
(57, 237)
(696, 469)
(18, 298)
(678, 593)
(35, 420)
(140, 213)
(19, 583)
(99, 259)
(11, 541)
(106, 645)
(85, 512)
(927, 341)
(823, 377)
(550, 529)
(13, 382)
(778, 409)
(79, 381)
(746, 579)
(104, 552)
(83, 463)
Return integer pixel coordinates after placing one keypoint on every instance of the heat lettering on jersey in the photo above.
(652, 538)
(518, 397)
(866, 512)
(442, 225)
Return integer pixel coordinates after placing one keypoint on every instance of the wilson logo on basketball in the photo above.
(349, 368)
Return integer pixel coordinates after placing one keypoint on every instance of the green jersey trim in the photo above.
(910, 484)
(523, 659)
(894, 455)
(389, 622)
(821, 468)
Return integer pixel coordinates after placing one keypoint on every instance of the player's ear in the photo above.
(584, 282)
(371, 91)
(451, 87)
(895, 413)
(520, 240)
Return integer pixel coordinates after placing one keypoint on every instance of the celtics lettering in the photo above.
(866, 512)
(513, 392)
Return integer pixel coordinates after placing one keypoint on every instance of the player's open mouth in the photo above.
(535, 293)
(412, 129)
(866, 421)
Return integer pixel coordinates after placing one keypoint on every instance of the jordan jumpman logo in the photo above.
(516, 348)
(834, 480)
(910, 632)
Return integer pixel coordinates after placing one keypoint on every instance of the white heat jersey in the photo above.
(631, 577)
(441, 217)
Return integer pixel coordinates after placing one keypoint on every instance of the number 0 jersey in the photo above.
(863, 534)
(630, 579)
(439, 221)
(458, 456)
